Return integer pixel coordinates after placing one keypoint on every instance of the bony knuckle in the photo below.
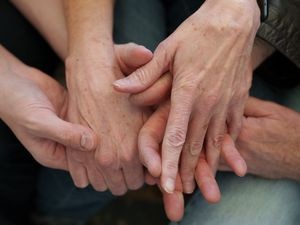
(217, 141)
(105, 162)
(171, 165)
(33, 124)
(211, 100)
(176, 138)
(195, 148)
(129, 156)
(162, 48)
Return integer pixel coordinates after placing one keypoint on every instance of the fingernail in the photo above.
(189, 187)
(121, 83)
(86, 142)
(169, 186)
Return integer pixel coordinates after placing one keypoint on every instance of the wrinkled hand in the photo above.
(93, 102)
(34, 105)
(209, 58)
(150, 139)
(269, 140)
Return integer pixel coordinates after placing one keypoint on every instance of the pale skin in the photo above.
(151, 136)
(91, 68)
(209, 59)
(269, 140)
(101, 10)
(36, 96)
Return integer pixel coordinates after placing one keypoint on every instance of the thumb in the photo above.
(132, 56)
(146, 75)
(71, 135)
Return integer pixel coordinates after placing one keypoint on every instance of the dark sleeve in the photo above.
(282, 28)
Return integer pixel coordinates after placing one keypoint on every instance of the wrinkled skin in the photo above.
(34, 105)
(115, 163)
(209, 59)
(269, 141)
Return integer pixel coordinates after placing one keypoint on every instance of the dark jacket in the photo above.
(282, 28)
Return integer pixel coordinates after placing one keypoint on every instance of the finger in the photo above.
(95, 176)
(174, 139)
(224, 168)
(146, 75)
(107, 164)
(132, 56)
(174, 205)
(74, 136)
(206, 181)
(150, 138)
(214, 139)
(77, 169)
(232, 157)
(192, 148)
(134, 174)
(235, 119)
(52, 156)
(257, 108)
(115, 181)
(149, 179)
(155, 94)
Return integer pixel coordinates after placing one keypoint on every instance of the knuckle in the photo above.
(195, 148)
(162, 48)
(141, 76)
(76, 156)
(217, 141)
(106, 161)
(129, 156)
(33, 123)
(171, 166)
(176, 138)
(210, 100)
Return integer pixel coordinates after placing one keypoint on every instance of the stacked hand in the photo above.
(208, 57)
(115, 163)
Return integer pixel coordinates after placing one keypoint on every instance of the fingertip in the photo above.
(174, 206)
(240, 168)
(211, 193)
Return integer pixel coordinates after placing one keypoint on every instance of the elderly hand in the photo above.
(209, 59)
(150, 140)
(34, 106)
(115, 163)
(269, 140)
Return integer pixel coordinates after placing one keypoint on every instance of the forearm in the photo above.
(89, 22)
(48, 18)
